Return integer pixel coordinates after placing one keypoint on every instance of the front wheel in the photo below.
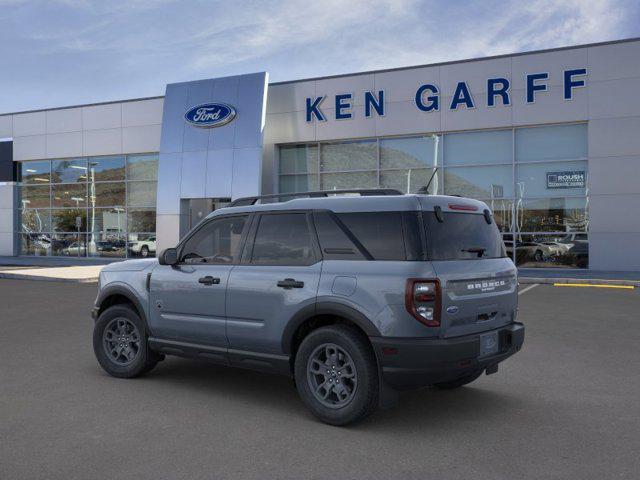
(337, 375)
(120, 343)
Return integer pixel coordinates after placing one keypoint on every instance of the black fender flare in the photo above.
(326, 308)
(125, 291)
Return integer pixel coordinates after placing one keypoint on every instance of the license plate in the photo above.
(489, 344)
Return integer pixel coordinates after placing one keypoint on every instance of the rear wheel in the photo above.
(336, 375)
(120, 343)
(460, 382)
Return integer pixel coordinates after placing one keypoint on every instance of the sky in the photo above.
(67, 52)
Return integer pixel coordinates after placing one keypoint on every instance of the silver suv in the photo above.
(355, 297)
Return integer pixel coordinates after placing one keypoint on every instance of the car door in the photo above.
(278, 276)
(187, 300)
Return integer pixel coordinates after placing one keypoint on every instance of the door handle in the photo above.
(290, 283)
(209, 280)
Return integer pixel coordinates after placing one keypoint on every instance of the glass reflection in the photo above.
(346, 156)
(69, 171)
(141, 245)
(411, 180)
(69, 195)
(105, 169)
(411, 152)
(298, 183)
(142, 194)
(479, 182)
(142, 167)
(68, 245)
(35, 220)
(298, 159)
(66, 220)
(550, 251)
(552, 215)
(34, 172)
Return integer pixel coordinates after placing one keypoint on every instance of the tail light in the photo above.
(422, 299)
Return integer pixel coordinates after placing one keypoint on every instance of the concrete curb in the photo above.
(588, 281)
(19, 276)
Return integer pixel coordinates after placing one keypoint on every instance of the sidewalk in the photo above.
(589, 277)
(74, 274)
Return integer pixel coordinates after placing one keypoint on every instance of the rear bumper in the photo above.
(409, 363)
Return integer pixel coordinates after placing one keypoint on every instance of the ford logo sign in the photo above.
(452, 309)
(210, 115)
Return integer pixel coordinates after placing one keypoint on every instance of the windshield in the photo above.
(462, 236)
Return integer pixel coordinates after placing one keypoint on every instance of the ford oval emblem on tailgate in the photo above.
(452, 309)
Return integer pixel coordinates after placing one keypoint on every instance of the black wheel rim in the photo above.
(121, 341)
(332, 375)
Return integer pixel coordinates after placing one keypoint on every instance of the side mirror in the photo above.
(168, 257)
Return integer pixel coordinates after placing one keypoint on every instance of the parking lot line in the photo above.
(628, 287)
(526, 289)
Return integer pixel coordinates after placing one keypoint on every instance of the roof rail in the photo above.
(245, 201)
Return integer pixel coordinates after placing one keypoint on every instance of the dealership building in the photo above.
(550, 140)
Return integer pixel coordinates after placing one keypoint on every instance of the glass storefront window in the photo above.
(479, 182)
(143, 220)
(550, 251)
(477, 148)
(106, 169)
(35, 196)
(347, 156)
(35, 220)
(106, 245)
(409, 181)
(298, 183)
(69, 171)
(108, 220)
(109, 194)
(141, 245)
(64, 220)
(298, 159)
(557, 142)
(68, 245)
(551, 179)
(69, 195)
(52, 194)
(552, 215)
(411, 152)
(142, 167)
(38, 172)
(141, 194)
(341, 181)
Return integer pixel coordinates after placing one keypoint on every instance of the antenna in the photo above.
(425, 190)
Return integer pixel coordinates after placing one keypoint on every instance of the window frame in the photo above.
(243, 238)
(247, 254)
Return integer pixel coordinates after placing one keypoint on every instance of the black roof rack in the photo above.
(245, 201)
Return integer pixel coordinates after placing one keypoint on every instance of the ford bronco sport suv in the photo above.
(355, 297)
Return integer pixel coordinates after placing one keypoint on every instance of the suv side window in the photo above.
(334, 242)
(283, 239)
(381, 233)
(218, 241)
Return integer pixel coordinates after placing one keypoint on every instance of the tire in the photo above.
(357, 375)
(538, 256)
(135, 358)
(460, 382)
(144, 251)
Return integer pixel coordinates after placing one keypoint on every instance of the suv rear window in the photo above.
(462, 236)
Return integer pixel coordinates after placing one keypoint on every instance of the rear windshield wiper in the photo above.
(478, 250)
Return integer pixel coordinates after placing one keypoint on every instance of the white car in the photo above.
(144, 248)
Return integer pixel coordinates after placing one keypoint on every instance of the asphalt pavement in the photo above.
(567, 406)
